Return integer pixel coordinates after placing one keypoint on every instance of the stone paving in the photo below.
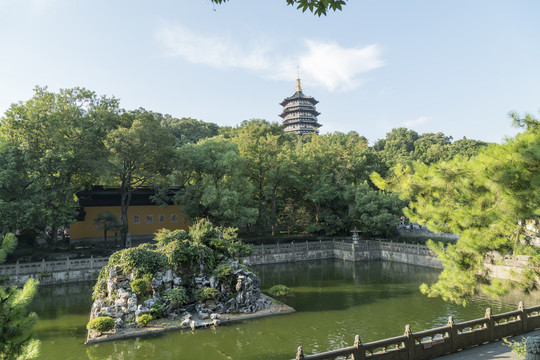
(496, 350)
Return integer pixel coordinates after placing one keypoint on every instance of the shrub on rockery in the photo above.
(143, 320)
(206, 293)
(101, 324)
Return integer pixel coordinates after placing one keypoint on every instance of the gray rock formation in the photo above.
(239, 293)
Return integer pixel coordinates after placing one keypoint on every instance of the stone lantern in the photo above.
(355, 236)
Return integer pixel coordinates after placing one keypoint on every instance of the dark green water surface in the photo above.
(334, 301)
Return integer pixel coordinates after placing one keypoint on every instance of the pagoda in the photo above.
(299, 113)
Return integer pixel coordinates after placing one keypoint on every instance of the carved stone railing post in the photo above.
(453, 334)
(490, 323)
(409, 344)
(523, 317)
(359, 353)
(300, 353)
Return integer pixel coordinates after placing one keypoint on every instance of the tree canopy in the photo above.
(209, 174)
(138, 153)
(51, 147)
(486, 200)
(16, 327)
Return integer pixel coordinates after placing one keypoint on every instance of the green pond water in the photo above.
(334, 301)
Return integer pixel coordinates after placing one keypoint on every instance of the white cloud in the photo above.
(336, 67)
(321, 63)
(214, 51)
(416, 122)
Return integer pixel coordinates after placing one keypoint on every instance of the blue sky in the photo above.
(453, 66)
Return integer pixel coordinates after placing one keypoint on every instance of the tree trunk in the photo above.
(274, 217)
(125, 197)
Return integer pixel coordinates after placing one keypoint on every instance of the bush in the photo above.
(280, 291)
(165, 236)
(178, 254)
(140, 287)
(206, 293)
(143, 320)
(139, 260)
(157, 310)
(223, 272)
(177, 295)
(101, 324)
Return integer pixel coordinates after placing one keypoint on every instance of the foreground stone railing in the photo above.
(439, 341)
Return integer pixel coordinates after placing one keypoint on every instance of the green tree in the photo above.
(327, 165)
(139, 153)
(486, 200)
(430, 147)
(465, 148)
(375, 213)
(188, 130)
(52, 147)
(106, 221)
(263, 147)
(210, 175)
(16, 334)
(317, 7)
(398, 146)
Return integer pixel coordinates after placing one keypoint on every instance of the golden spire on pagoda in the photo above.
(298, 87)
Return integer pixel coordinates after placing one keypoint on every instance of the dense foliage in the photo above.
(16, 324)
(487, 200)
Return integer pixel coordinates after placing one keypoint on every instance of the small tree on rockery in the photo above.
(106, 221)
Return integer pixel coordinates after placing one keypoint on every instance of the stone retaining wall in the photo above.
(65, 271)
(345, 250)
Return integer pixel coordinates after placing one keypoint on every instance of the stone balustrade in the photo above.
(53, 266)
(52, 272)
(436, 342)
(71, 270)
